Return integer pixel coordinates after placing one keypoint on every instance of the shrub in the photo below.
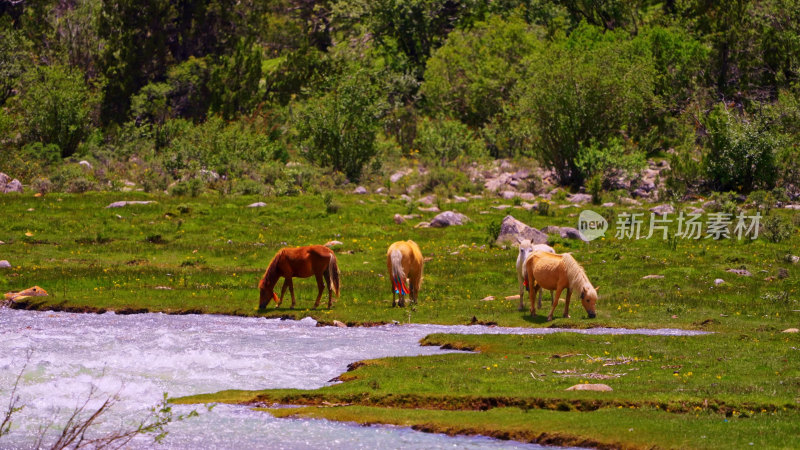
(595, 187)
(331, 206)
(192, 187)
(493, 230)
(246, 186)
(776, 229)
(609, 161)
(762, 201)
(451, 179)
(444, 140)
(70, 178)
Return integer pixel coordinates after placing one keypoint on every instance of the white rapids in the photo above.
(141, 356)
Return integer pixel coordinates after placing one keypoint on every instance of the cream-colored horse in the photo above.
(559, 272)
(525, 250)
(404, 261)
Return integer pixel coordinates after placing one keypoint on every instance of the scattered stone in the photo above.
(608, 205)
(528, 206)
(792, 206)
(86, 165)
(698, 211)
(508, 195)
(579, 198)
(459, 199)
(2, 243)
(163, 288)
(572, 233)
(640, 193)
(791, 330)
(398, 219)
(381, 190)
(395, 177)
(718, 281)
(413, 188)
(411, 216)
(427, 200)
(501, 207)
(339, 324)
(13, 186)
(629, 201)
(229, 242)
(257, 205)
(423, 225)
(431, 209)
(208, 175)
(783, 273)
(488, 299)
(5, 264)
(405, 198)
(514, 231)
(652, 277)
(35, 291)
(793, 259)
(599, 387)
(740, 272)
(552, 229)
(4, 179)
(526, 196)
(360, 190)
(663, 209)
(330, 244)
(126, 203)
(448, 218)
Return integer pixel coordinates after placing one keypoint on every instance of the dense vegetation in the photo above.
(153, 91)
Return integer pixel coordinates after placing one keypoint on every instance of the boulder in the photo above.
(4, 179)
(488, 299)
(663, 209)
(508, 195)
(395, 177)
(740, 272)
(513, 231)
(552, 229)
(13, 186)
(381, 190)
(5, 264)
(629, 201)
(501, 207)
(448, 218)
(208, 175)
(360, 190)
(339, 324)
(579, 198)
(398, 219)
(791, 330)
(599, 387)
(257, 205)
(126, 203)
(572, 233)
(718, 281)
(795, 207)
(86, 165)
(640, 193)
(423, 225)
(793, 259)
(427, 200)
(405, 198)
(330, 244)
(430, 209)
(608, 205)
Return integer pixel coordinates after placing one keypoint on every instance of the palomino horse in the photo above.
(404, 260)
(557, 272)
(525, 250)
(300, 262)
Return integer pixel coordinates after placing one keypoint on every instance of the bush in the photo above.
(762, 201)
(331, 206)
(192, 187)
(71, 178)
(775, 229)
(608, 162)
(247, 186)
(445, 140)
(451, 179)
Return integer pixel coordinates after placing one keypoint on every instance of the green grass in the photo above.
(207, 254)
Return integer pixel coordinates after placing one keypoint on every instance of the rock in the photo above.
(395, 177)
(85, 164)
(13, 186)
(163, 288)
(488, 299)
(398, 219)
(508, 195)
(629, 201)
(740, 272)
(5, 264)
(459, 199)
(431, 209)
(336, 323)
(2, 243)
(257, 205)
(599, 387)
(608, 205)
(552, 229)
(208, 175)
(35, 291)
(663, 209)
(126, 203)
(640, 193)
(423, 225)
(652, 277)
(526, 196)
(791, 330)
(783, 273)
(4, 179)
(528, 206)
(413, 188)
(448, 218)
(572, 233)
(579, 198)
(427, 200)
(501, 207)
(411, 216)
(360, 190)
(513, 231)
(405, 198)
(792, 206)
(793, 259)
(718, 281)
(330, 244)
(381, 190)
(698, 211)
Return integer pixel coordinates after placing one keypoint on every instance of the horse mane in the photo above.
(576, 276)
(272, 275)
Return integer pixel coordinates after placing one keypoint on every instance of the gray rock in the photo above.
(501, 207)
(398, 219)
(795, 207)
(600, 387)
(430, 209)
(86, 165)
(448, 218)
(411, 216)
(423, 225)
(740, 272)
(459, 199)
(13, 186)
(257, 205)
(427, 200)
(413, 188)
(526, 196)
(208, 175)
(663, 209)
(608, 205)
(652, 277)
(339, 324)
(640, 193)
(579, 198)
(528, 206)
(508, 195)
(513, 231)
(405, 198)
(791, 258)
(694, 210)
(572, 233)
(552, 229)
(126, 203)
(4, 179)
(330, 244)
(395, 177)
(5, 264)
(360, 190)
(718, 281)
(629, 201)
(381, 190)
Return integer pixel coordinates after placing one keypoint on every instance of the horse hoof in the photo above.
(549, 318)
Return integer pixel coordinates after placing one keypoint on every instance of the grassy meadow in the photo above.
(206, 255)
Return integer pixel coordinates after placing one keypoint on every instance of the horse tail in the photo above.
(398, 275)
(333, 274)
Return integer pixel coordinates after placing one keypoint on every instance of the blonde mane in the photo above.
(576, 276)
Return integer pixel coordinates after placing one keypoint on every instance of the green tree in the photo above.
(338, 127)
(234, 83)
(444, 140)
(55, 104)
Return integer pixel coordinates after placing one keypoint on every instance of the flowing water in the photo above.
(139, 357)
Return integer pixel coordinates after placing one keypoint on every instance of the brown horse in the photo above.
(559, 272)
(300, 262)
(404, 261)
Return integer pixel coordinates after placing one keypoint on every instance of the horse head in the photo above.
(266, 293)
(588, 297)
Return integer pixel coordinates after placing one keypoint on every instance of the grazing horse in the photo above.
(525, 250)
(404, 261)
(557, 272)
(300, 262)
